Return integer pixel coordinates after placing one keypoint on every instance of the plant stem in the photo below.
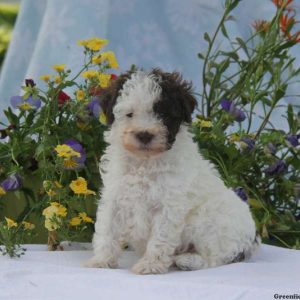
(210, 46)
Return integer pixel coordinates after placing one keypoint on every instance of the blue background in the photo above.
(148, 33)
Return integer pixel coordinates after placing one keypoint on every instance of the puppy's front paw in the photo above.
(145, 266)
(97, 262)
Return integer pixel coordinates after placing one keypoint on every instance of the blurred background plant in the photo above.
(8, 15)
(242, 88)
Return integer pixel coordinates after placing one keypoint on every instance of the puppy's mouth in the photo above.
(145, 150)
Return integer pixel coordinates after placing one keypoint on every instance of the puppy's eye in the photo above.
(129, 115)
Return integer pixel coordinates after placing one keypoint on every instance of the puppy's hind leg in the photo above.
(190, 261)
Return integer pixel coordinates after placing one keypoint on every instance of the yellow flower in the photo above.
(25, 106)
(45, 78)
(234, 138)
(28, 226)
(94, 44)
(53, 215)
(57, 79)
(83, 126)
(66, 151)
(51, 225)
(59, 68)
(89, 74)
(205, 124)
(97, 59)
(108, 57)
(2, 191)
(79, 186)
(50, 211)
(104, 80)
(75, 221)
(10, 223)
(54, 210)
(61, 210)
(85, 217)
(80, 95)
(102, 118)
(70, 164)
(51, 193)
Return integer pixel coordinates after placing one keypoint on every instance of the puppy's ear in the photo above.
(179, 92)
(110, 95)
(186, 96)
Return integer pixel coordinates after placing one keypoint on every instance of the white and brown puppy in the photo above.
(159, 194)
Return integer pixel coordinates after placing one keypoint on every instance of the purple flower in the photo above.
(75, 162)
(25, 104)
(226, 104)
(3, 134)
(235, 112)
(279, 167)
(29, 82)
(293, 140)
(249, 142)
(11, 183)
(94, 107)
(241, 193)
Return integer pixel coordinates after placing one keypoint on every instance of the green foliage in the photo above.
(51, 150)
(12, 235)
(248, 150)
(8, 15)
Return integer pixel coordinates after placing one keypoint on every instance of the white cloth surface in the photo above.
(44, 275)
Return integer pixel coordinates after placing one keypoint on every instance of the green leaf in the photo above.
(232, 4)
(286, 45)
(291, 118)
(254, 203)
(69, 83)
(266, 101)
(242, 45)
(224, 31)
(201, 56)
(12, 118)
(231, 54)
(280, 92)
(207, 38)
(223, 66)
(30, 118)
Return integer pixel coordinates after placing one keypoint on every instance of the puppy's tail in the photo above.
(247, 253)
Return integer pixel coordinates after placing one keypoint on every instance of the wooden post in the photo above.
(53, 243)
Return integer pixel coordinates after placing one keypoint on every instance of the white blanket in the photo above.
(58, 275)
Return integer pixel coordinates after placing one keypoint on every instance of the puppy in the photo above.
(159, 194)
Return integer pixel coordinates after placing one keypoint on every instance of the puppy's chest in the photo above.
(140, 198)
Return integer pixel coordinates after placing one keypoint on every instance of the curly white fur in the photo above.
(170, 206)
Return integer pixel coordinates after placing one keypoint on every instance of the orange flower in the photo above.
(284, 4)
(287, 23)
(261, 25)
(296, 37)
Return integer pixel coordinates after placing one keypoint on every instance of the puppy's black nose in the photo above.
(145, 137)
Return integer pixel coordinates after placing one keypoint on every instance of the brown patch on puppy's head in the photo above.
(176, 104)
(110, 95)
